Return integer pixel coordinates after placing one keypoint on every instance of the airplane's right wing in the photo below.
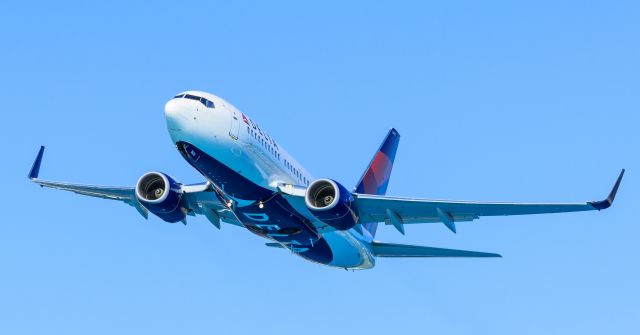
(399, 211)
(199, 198)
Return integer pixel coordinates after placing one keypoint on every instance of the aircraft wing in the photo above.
(199, 199)
(202, 199)
(399, 211)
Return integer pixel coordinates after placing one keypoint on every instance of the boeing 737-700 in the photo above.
(250, 181)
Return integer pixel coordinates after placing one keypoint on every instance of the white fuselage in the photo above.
(226, 134)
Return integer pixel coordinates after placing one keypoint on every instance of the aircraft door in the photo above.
(235, 125)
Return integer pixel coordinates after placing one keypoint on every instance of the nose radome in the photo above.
(176, 113)
(172, 108)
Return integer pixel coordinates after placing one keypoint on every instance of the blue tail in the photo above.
(376, 177)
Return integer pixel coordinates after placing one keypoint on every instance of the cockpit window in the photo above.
(207, 103)
(178, 96)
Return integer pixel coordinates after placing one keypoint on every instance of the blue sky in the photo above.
(533, 101)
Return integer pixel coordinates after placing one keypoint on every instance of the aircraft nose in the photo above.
(176, 112)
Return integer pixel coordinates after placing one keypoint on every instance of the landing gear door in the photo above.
(235, 125)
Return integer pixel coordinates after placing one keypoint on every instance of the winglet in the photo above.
(606, 203)
(35, 169)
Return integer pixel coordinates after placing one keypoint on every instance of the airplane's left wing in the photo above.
(400, 211)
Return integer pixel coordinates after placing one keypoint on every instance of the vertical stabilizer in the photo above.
(376, 177)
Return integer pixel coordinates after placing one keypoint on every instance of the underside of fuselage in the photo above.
(267, 213)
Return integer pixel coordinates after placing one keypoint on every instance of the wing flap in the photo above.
(204, 201)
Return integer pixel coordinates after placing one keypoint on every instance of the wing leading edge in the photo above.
(399, 211)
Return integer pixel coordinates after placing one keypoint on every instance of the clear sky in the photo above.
(521, 101)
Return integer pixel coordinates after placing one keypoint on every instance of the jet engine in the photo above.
(331, 203)
(161, 195)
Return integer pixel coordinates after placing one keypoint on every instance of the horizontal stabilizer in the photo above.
(403, 250)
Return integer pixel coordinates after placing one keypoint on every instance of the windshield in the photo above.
(206, 102)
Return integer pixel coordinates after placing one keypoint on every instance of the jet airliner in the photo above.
(250, 181)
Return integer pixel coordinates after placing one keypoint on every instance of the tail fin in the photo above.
(376, 177)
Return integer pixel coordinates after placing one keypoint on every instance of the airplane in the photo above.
(252, 182)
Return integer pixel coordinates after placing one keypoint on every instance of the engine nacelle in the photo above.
(331, 203)
(161, 195)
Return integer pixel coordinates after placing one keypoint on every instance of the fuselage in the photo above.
(247, 165)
